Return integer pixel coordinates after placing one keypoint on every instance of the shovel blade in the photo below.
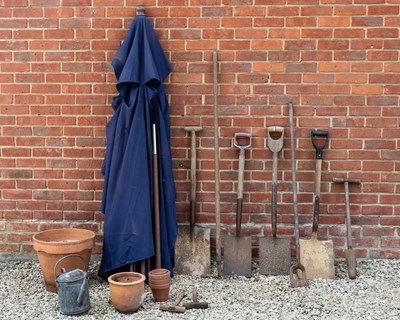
(192, 252)
(274, 256)
(317, 257)
(351, 263)
(237, 256)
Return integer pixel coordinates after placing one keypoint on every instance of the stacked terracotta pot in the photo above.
(160, 282)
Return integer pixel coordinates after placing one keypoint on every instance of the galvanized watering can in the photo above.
(73, 289)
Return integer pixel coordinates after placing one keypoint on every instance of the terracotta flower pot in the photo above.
(127, 291)
(160, 294)
(160, 282)
(52, 245)
(160, 273)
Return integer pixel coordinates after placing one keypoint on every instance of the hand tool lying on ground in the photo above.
(318, 256)
(275, 255)
(192, 247)
(175, 306)
(237, 249)
(297, 271)
(195, 304)
(349, 252)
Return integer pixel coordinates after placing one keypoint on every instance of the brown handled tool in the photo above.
(349, 252)
(274, 253)
(192, 247)
(237, 249)
(297, 271)
(175, 306)
(156, 202)
(195, 304)
(318, 256)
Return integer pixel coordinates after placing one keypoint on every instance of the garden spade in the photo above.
(192, 247)
(237, 248)
(349, 252)
(317, 256)
(274, 252)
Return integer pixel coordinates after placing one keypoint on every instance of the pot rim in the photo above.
(36, 237)
(141, 278)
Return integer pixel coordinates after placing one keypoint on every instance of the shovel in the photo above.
(237, 249)
(318, 256)
(192, 247)
(349, 252)
(274, 252)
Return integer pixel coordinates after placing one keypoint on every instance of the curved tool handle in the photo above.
(319, 139)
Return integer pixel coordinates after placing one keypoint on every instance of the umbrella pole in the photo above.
(156, 202)
(216, 164)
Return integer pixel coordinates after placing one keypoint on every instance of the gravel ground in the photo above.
(375, 294)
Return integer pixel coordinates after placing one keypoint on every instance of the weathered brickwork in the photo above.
(336, 60)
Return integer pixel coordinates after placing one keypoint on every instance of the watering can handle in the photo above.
(65, 257)
(82, 291)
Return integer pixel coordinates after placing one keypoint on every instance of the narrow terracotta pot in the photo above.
(52, 245)
(127, 291)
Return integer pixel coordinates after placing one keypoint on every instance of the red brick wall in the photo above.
(337, 60)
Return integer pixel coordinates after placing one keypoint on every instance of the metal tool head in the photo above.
(275, 138)
(351, 263)
(318, 258)
(237, 256)
(192, 251)
(193, 128)
(242, 140)
(275, 256)
(297, 274)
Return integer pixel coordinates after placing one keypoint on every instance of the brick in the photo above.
(367, 21)
(382, 33)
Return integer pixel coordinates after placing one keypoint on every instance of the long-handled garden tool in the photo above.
(349, 252)
(237, 248)
(318, 256)
(297, 271)
(192, 247)
(216, 168)
(274, 253)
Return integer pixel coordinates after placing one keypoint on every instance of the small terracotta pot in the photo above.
(159, 274)
(160, 294)
(127, 291)
(52, 245)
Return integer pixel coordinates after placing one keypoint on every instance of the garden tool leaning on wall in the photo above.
(192, 248)
(237, 248)
(318, 256)
(274, 252)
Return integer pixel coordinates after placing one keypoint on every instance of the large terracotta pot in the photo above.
(127, 291)
(52, 245)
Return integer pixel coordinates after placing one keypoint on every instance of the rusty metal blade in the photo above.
(275, 256)
(192, 252)
(351, 263)
(237, 255)
(317, 257)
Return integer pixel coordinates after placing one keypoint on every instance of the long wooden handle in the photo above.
(317, 196)
(274, 192)
(156, 202)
